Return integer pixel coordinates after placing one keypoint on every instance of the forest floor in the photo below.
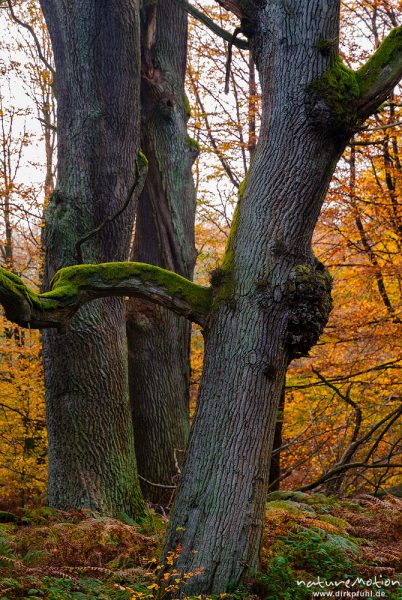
(314, 546)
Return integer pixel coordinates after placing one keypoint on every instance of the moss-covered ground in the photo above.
(46, 554)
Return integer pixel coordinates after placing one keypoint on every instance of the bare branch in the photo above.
(34, 36)
(159, 485)
(330, 474)
(48, 125)
(214, 145)
(232, 6)
(203, 18)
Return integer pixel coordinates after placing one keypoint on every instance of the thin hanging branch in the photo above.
(133, 195)
(34, 36)
(229, 58)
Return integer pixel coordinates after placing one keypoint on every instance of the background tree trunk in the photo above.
(158, 340)
(91, 450)
(271, 302)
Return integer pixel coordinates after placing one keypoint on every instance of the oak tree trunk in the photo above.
(91, 448)
(271, 301)
(158, 340)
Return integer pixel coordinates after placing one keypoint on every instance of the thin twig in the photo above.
(133, 194)
(229, 58)
(159, 485)
(34, 36)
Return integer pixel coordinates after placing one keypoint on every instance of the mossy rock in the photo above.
(322, 499)
(336, 521)
(294, 508)
(288, 495)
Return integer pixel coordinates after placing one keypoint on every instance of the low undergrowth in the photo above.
(308, 539)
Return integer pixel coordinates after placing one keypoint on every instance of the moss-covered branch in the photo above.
(352, 96)
(380, 74)
(74, 286)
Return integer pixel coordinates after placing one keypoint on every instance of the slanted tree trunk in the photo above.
(271, 297)
(158, 340)
(91, 449)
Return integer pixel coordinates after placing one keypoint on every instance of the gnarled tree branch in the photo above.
(380, 74)
(74, 286)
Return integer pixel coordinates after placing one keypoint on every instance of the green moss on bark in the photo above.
(194, 145)
(223, 279)
(68, 281)
(338, 87)
(389, 51)
(73, 286)
(15, 295)
(325, 46)
(142, 160)
(344, 91)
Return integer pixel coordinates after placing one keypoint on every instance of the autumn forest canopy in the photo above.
(200, 296)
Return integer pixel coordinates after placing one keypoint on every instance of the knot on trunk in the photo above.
(333, 100)
(309, 305)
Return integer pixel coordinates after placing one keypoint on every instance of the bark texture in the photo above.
(272, 299)
(158, 340)
(96, 50)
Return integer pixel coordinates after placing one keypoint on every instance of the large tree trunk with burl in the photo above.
(271, 296)
(158, 340)
(91, 448)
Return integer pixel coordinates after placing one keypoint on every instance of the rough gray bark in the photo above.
(271, 300)
(96, 51)
(158, 340)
